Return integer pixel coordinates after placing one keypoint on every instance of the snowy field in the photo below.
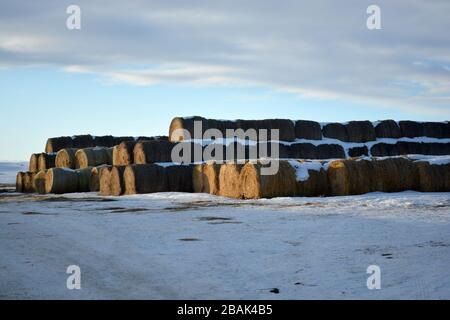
(195, 246)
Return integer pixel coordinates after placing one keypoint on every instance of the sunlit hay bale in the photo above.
(255, 185)
(19, 181)
(310, 130)
(94, 184)
(411, 129)
(211, 183)
(93, 157)
(388, 129)
(28, 182)
(145, 178)
(117, 181)
(395, 175)
(178, 124)
(316, 183)
(179, 178)
(105, 180)
(123, 153)
(335, 131)
(46, 161)
(39, 181)
(33, 164)
(61, 180)
(147, 152)
(197, 178)
(432, 177)
(65, 158)
(230, 180)
(338, 178)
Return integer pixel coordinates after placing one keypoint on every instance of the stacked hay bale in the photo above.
(64, 180)
(205, 178)
(94, 184)
(46, 161)
(25, 182)
(92, 157)
(229, 183)
(433, 177)
(56, 144)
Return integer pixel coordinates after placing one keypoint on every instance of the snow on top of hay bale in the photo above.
(302, 168)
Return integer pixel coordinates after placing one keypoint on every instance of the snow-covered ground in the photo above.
(195, 246)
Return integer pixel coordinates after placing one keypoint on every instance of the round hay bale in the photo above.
(187, 124)
(256, 186)
(84, 179)
(395, 175)
(117, 182)
(56, 144)
(65, 158)
(123, 154)
(330, 151)
(46, 161)
(19, 181)
(28, 182)
(384, 150)
(360, 131)
(358, 152)
(309, 130)
(147, 152)
(433, 178)
(439, 130)
(93, 157)
(105, 180)
(303, 151)
(61, 180)
(317, 182)
(338, 178)
(39, 181)
(230, 180)
(210, 176)
(179, 178)
(33, 164)
(83, 141)
(388, 129)
(411, 129)
(197, 178)
(335, 131)
(94, 184)
(146, 178)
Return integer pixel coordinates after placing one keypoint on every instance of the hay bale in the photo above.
(310, 130)
(84, 179)
(358, 152)
(56, 144)
(303, 151)
(61, 180)
(28, 182)
(395, 175)
(335, 131)
(33, 165)
(145, 178)
(388, 129)
(436, 149)
(104, 178)
(411, 129)
(46, 161)
(316, 184)
(179, 178)
(210, 174)
(330, 151)
(255, 185)
(230, 180)
(83, 141)
(384, 150)
(338, 178)
(360, 131)
(147, 152)
(39, 181)
(93, 157)
(433, 178)
(19, 181)
(286, 127)
(65, 158)
(197, 178)
(438, 130)
(117, 183)
(94, 183)
(267, 150)
(123, 154)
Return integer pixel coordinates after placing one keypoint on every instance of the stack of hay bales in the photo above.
(127, 165)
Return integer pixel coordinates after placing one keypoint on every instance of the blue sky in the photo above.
(131, 69)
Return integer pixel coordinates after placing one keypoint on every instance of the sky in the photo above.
(134, 65)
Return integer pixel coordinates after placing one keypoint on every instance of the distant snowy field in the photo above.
(196, 246)
(8, 171)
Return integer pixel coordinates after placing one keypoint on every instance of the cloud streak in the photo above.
(320, 49)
